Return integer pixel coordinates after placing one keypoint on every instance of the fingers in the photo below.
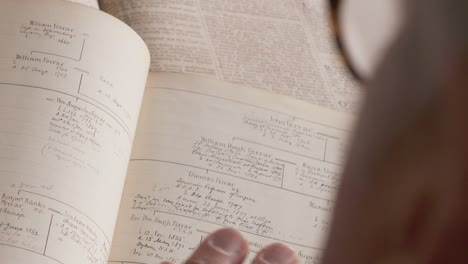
(276, 254)
(225, 246)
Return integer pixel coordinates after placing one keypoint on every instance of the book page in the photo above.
(208, 155)
(285, 46)
(71, 84)
(90, 3)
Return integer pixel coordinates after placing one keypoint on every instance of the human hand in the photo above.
(227, 246)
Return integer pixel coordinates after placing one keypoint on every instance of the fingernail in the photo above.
(227, 242)
(278, 254)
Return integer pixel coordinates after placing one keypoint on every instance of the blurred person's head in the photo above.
(404, 194)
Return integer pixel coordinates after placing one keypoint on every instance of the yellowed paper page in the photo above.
(208, 155)
(71, 84)
(276, 45)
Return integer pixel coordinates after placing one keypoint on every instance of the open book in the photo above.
(82, 183)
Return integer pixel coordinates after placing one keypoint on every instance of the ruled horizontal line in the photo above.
(238, 177)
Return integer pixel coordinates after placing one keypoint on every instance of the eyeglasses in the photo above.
(363, 31)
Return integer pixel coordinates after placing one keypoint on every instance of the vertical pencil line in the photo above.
(325, 151)
(48, 233)
(282, 178)
(79, 85)
(82, 48)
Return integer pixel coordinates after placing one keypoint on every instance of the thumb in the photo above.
(225, 246)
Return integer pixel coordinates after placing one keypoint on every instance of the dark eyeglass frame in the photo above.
(335, 6)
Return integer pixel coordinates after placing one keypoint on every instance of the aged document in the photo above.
(70, 95)
(209, 155)
(283, 46)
